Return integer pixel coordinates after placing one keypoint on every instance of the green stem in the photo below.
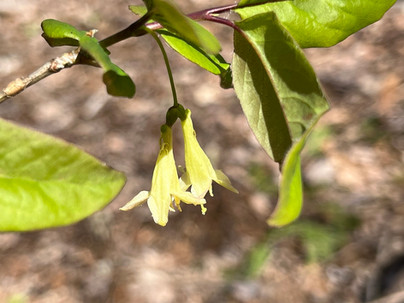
(170, 74)
(126, 33)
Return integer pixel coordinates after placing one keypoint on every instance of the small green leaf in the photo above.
(46, 182)
(206, 40)
(276, 85)
(226, 79)
(58, 33)
(212, 63)
(320, 23)
(117, 81)
(138, 10)
(168, 15)
(290, 199)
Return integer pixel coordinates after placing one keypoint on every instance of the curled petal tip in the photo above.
(138, 200)
(224, 181)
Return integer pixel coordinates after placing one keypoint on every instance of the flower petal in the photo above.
(158, 210)
(138, 200)
(197, 163)
(199, 169)
(224, 181)
(164, 178)
(185, 182)
(189, 198)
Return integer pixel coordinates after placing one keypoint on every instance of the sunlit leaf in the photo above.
(320, 23)
(212, 63)
(168, 15)
(277, 87)
(46, 182)
(117, 81)
(58, 33)
(139, 10)
(290, 200)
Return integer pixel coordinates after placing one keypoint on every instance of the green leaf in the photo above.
(277, 87)
(320, 23)
(46, 182)
(58, 33)
(168, 15)
(212, 63)
(290, 199)
(226, 79)
(259, 101)
(138, 10)
(117, 81)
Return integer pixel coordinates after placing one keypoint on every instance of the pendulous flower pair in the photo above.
(167, 190)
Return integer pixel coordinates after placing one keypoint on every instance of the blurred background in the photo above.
(348, 245)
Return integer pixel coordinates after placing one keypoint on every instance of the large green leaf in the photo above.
(45, 182)
(168, 15)
(58, 33)
(320, 23)
(277, 87)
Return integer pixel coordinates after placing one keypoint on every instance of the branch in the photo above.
(135, 29)
(51, 67)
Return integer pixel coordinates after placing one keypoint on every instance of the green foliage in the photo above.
(259, 100)
(212, 63)
(168, 15)
(276, 85)
(281, 98)
(118, 83)
(46, 182)
(57, 33)
(139, 10)
(319, 23)
(290, 190)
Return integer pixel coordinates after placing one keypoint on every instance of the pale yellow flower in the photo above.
(199, 172)
(165, 188)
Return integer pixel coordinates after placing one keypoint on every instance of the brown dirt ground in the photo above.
(354, 160)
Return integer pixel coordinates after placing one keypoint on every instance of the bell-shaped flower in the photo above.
(199, 172)
(165, 188)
